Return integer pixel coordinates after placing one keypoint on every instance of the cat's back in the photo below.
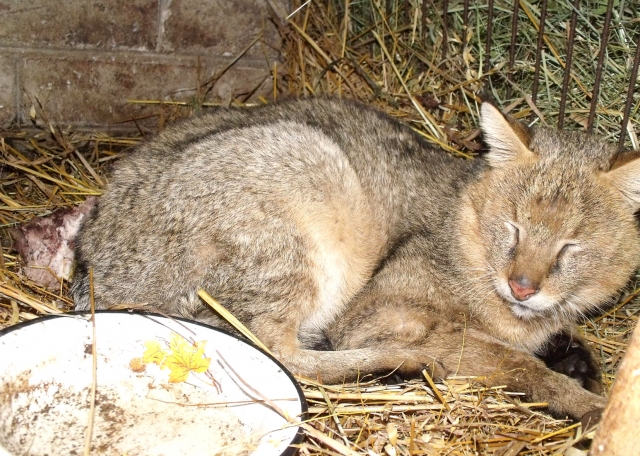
(293, 145)
(364, 134)
(303, 193)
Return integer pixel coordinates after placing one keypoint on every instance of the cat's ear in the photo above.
(624, 174)
(507, 138)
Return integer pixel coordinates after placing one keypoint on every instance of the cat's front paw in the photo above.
(574, 366)
(567, 354)
(590, 419)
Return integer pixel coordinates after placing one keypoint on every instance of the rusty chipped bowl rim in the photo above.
(236, 371)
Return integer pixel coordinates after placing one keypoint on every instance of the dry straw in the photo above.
(393, 54)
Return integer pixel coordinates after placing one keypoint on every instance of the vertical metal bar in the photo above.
(465, 14)
(487, 58)
(629, 102)
(445, 24)
(407, 12)
(603, 48)
(423, 20)
(512, 45)
(536, 76)
(567, 68)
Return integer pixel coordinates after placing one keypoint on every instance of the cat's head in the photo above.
(549, 227)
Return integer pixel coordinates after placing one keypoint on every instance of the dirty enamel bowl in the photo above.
(163, 387)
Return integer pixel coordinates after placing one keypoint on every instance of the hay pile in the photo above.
(428, 69)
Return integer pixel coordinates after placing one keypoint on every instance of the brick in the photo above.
(220, 26)
(240, 80)
(7, 89)
(94, 90)
(109, 24)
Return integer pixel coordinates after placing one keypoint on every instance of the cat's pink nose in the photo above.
(522, 288)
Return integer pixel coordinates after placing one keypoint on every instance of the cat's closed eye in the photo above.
(514, 236)
(565, 253)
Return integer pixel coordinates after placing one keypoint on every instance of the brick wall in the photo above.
(84, 59)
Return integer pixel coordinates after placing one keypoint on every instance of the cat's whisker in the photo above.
(582, 304)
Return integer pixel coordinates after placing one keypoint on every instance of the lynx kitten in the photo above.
(322, 219)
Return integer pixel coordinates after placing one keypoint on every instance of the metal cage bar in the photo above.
(601, 54)
(630, 91)
(567, 67)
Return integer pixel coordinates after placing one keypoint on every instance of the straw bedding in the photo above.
(392, 55)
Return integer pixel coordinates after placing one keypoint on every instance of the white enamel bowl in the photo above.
(235, 399)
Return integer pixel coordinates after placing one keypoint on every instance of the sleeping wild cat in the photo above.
(325, 219)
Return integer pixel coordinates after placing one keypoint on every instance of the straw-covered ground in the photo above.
(428, 69)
